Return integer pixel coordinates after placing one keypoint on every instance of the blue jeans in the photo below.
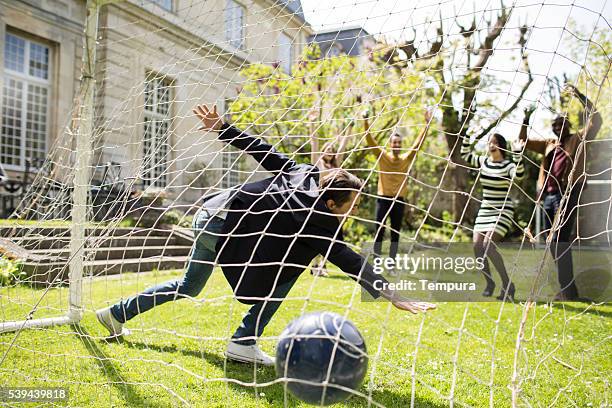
(207, 230)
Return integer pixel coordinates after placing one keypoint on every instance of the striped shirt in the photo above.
(496, 210)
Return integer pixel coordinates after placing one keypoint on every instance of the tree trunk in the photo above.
(457, 177)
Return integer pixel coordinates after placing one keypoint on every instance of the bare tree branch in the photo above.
(467, 32)
(486, 49)
(436, 46)
(522, 41)
(408, 47)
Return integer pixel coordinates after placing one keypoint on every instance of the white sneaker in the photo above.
(248, 354)
(114, 327)
(318, 271)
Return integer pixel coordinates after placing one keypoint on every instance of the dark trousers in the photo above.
(561, 243)
(207, 230)
(388, 207)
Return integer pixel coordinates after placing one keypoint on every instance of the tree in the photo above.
(325, 97)
(461, 99)
(590, 49)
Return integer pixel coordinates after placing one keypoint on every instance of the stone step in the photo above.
(56, 273)
(35, 243)
(46, 251)
(130, 252)
(10, 231)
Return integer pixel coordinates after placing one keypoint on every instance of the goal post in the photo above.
(82, 130)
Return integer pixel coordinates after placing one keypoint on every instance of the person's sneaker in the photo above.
(319, 271)
(114, 327)
(248, 354)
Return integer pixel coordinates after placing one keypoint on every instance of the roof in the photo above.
(349, 40)
(344, 29)
(295, 6)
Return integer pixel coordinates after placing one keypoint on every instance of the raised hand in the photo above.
(366, 119)
(211, 121)
(571, 90)
(518, 145)
(366, 113)
(528, 111)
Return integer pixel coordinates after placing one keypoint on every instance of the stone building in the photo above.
(156, 59)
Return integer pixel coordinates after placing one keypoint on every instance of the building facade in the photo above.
(156, 59)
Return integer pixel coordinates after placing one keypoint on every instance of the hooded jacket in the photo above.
(276, 226)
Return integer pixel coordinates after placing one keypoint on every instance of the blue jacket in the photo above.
(276, 226)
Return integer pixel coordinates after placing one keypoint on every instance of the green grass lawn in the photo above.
(460, 352)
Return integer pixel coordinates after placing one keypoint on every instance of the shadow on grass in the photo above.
(582, 307)
(389, 398)
(110, 370)
(211, 358)
(275, 394)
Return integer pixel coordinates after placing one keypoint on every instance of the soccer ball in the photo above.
(321, 356)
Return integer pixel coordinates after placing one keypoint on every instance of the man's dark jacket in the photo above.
(276, 226)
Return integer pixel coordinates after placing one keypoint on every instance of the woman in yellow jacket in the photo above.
(393, 169)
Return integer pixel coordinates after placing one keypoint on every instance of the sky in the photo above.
(549, 19)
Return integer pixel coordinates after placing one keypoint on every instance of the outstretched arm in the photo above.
(593, 118)
(538, 146)
(315, 153)
(261, 151)
(418, 143)
(467, 153)
(518, 170)
(344, 138)
(370, 139)
(359, 269)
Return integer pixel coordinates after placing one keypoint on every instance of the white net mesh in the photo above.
(326, 84)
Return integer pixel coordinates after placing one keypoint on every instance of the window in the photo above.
(231, 158)
(234, 24)
(227, 102)
(231, 164)
(25, 100)
(285, 54)
(166, 4)
(157, 119)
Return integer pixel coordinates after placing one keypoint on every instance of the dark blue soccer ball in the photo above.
(318, 353)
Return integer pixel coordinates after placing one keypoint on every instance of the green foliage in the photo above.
(186, 221)
(446, 232)
(127, 222)
(172, 217)
(594, 78)
(154, 217)
(356, 232)
(324, 97)
(10, 272)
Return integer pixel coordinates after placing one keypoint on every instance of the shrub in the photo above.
(10, 272)
(172, 217)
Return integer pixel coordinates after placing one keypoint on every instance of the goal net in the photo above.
(102, 188)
